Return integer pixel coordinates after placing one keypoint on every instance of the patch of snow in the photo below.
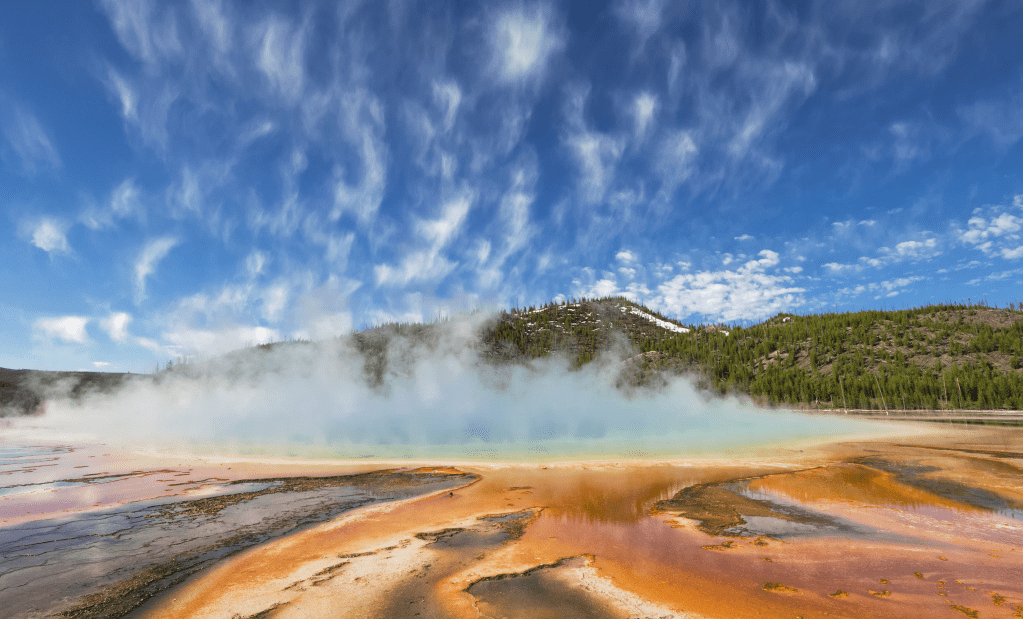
(664, 324)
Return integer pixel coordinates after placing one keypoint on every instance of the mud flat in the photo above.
(924, 526)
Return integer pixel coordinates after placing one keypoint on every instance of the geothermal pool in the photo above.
(708, 435)
(892, 525)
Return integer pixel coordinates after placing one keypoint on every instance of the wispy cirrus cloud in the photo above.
(429, 263)
(125, 201)
(32, 146)
(883, 289)
(999, 117)
(642, 16)
(640, 151)
(524, 37)
(152, 253)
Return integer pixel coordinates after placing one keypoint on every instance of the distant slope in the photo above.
(942, 356)
(22, 392)
(934, 357)
(581, 329)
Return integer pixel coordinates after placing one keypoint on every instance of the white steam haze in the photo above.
(435, 401)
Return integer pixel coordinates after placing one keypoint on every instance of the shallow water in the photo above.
(723, 434)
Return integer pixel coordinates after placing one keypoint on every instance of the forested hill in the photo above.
(934, 357)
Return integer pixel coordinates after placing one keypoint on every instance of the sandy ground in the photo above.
(928, 525)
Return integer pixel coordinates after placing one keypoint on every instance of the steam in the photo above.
(434, 399)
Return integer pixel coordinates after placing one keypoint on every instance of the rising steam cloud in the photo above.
(438, 400)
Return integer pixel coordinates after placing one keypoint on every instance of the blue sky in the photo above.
(191, 177)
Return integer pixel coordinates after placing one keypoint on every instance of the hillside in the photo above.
(23, 391)
(934, 357)
(930, 358)
(927, 358)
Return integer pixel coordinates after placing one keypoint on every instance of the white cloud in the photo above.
(523, 40)
(429, 264)
(228, 317)
(995, 231)
(626, 256)
(780, 83)
(149, 35)
(281, 57)
(212, 18)
(116, 326)
(838, 267)
(596, 154)
(901, 282)
(911, 141)
(48, 234)
(439, 232)
(145, 104)
(512, 228)
(916, 249)
(996, 276)
(30, 141)
(1000, 118)
(364, 125)
(883, 289)
(65, 328)
(338, 247)
(417, 266)
(514, 210)
(676, 161)
(187, 196)
(125, 201)
(448, 97)
(216, 341)
(1012, 254)
(643, 15)
(152, 253)
(744, 237)
(750, 291)
(643, 107)
(150, 345)
(275, 301)
(99, 365)
(913, 250)
(125, 94)
(747, 293)
(255, 262)
(605, 287)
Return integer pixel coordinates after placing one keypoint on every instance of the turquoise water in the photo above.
(722, 434)
(447, 409)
